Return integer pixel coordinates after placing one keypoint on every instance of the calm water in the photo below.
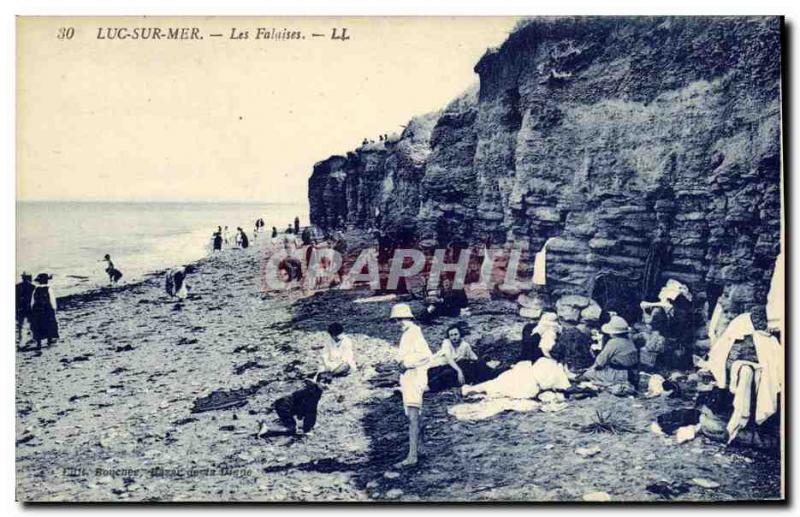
(69, 239)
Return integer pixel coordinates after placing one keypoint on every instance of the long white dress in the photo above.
(525, 380)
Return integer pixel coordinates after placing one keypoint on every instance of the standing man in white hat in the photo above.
(414, 355)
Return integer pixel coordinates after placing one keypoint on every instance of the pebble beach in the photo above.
(113, 411)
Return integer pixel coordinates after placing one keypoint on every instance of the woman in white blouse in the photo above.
(456, 364)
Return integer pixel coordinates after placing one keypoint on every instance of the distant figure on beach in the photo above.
(226, 236)
(43, 312)
(289, 230)
(414, 355)
(218, 240)
(305, 236)
(338, 356)
(24, 295)
(113, 273)
(176, 284)
(244, 242)
(297, 412)
(274, 232)
(297, 225)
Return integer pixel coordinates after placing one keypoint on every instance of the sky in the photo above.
(224, 119)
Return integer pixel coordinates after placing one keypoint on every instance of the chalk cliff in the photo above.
(646, 147)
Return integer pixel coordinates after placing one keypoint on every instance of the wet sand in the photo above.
(106, 414)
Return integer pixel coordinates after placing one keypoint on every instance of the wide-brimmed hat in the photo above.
(401, 311)
(548, 318)
(43, 278)
(616, 325)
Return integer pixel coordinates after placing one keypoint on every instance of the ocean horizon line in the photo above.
(162, 201)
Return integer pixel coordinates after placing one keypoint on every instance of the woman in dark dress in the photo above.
(244, 239)
(43, 312)
(218, 240)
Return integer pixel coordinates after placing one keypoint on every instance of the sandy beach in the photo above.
(107, 413)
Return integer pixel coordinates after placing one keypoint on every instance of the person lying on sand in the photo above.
(414, 355)
(297, 412)
(338, 356)
(536, 370)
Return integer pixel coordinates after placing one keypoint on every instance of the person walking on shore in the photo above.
(24, 295)
(113, 273)
(43, 312)
(218, 240)
(297, 225)
(244, 242)
(414, 355)
(226, 237)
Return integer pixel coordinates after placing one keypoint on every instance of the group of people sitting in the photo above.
(571, 359)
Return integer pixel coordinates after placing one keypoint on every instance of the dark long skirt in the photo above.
(441, 378)
(43, 323)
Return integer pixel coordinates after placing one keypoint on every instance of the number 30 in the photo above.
(65, 32)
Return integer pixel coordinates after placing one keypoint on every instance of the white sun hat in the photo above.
(401, 311)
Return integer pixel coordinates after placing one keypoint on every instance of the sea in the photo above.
(69, 239)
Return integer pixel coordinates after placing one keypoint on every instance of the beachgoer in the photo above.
(289, 230)
(338, 354)
(305, 236)
(113, 273)
(274, 232)
(297, 225)
(573, 347)
(652, 341)
(44, 324)
(244, 242)
(675, 300)
(449, 302)
(413, 356)
(535, 372)
(217, 241)
(226, 236)
(456, 363)
(24, 295)
(296, 412)
(179, 284)
(618, 361)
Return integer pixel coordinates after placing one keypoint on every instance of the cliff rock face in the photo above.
(646, 148)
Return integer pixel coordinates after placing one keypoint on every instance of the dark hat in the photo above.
(107, 256)
(43, 278)
(26, 276)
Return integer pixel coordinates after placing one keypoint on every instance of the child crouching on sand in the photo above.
(297, 412)
(414, 355)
